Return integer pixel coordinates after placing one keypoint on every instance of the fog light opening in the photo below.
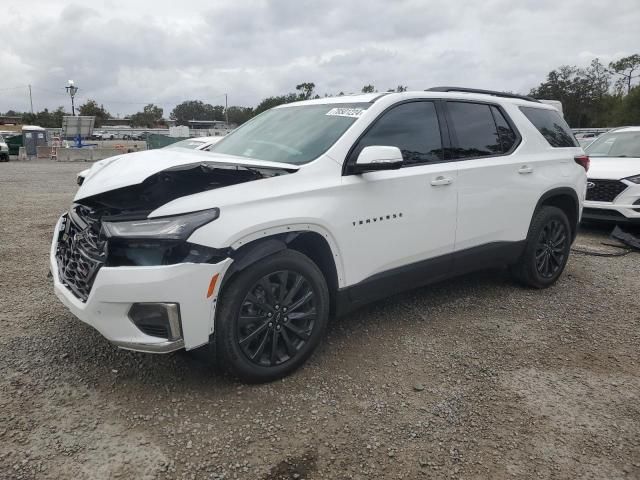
(157, 319)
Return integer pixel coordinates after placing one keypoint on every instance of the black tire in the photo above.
(4, 158)
(252, 324)
(547, 249)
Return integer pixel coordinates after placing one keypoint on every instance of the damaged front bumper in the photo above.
(116, 290)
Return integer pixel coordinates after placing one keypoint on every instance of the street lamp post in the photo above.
(72, 90)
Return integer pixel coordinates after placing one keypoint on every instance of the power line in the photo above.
(12, 88)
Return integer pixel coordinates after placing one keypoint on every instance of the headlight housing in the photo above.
(634, 179)
(175, 227)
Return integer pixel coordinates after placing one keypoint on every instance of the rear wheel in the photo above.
(272, 316)
(547, 249)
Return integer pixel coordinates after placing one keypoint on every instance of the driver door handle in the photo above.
(441, 180)
(525, 169)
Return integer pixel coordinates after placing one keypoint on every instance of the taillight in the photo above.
(583, 161)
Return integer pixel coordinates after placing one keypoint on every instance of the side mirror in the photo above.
(377, 157)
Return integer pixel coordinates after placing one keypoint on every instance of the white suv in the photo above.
(613, 188)
(310, 210)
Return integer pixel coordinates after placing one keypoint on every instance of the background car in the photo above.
(587, 138)
(613, 188)
(4, 150)
(196, 143)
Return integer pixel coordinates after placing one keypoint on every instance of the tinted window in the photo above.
(412, 127)
(475, 130)
(551, 125)
(507, 136)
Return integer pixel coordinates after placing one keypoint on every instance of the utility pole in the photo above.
(226, 108)
(30, 99)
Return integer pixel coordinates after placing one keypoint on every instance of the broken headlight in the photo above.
(175, 227)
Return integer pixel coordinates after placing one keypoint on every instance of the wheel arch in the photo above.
(566, 199)
(314, 243)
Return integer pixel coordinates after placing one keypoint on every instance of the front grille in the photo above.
(604, 190)
(81, 251)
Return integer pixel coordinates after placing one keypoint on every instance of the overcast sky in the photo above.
(126, 53)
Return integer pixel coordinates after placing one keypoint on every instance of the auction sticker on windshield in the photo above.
(345, 112)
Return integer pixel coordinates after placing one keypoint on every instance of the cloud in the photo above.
(124, 54)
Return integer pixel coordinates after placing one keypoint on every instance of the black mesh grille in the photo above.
(154, 330)
(604, 190)
(80, 251)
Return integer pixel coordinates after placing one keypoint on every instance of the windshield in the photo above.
(291, 134)
(615, 144)
(189, 143)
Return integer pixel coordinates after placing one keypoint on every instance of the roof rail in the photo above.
(484, 92)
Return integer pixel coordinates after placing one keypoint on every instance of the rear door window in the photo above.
(475, 133)
(508, 137)
(551, 125)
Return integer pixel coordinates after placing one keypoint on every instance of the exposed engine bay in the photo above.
(84, 248)
(162, 187)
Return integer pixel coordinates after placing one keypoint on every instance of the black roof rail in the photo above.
(484, 92)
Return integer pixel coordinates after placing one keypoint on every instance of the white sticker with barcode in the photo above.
(345, 112)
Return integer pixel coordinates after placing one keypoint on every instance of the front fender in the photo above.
(289, 231)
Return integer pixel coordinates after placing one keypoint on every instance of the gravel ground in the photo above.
(471, 378)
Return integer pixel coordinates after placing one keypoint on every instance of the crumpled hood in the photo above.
(133, 168)
(611, 168)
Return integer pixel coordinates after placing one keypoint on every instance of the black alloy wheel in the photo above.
(546, 250)
(276, 318)
(271, 316)
(551, 248)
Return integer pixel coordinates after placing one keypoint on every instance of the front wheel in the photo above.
(547, 249)
(271, 318)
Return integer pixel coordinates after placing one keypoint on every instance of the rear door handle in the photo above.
(441, 180)
(525, 169)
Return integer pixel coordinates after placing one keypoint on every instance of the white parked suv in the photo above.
(312, 209)
(613, 187)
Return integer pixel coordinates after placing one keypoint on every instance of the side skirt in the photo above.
(426, 272)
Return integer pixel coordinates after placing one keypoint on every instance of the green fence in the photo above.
(158, 141)
(14, 143)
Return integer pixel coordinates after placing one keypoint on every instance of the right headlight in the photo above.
(175, 227)
(634, 179)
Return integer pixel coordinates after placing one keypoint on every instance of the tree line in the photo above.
(595, 96)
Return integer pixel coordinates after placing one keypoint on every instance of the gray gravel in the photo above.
(470, 378)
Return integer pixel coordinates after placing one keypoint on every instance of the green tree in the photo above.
(581, 92)
(368, 89)
(196, 110)
(306, 90)
(271, 102)
(91, 108)
(628, 111)
(239, 115)
(625, 69)
(57, 115)
(149, 117)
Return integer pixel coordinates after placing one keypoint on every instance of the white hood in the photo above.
(133, 168)
(612, 168)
